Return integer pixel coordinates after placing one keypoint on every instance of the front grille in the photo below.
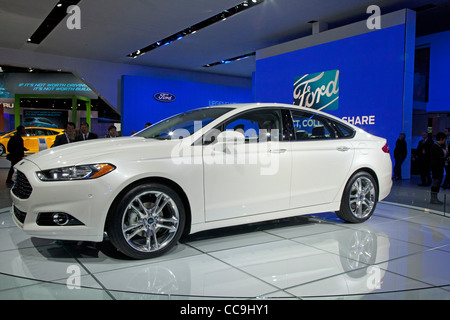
(22, 188)
(20, 215)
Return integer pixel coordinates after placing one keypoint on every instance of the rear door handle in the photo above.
(278, 150)
(343, 148)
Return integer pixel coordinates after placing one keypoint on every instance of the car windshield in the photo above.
(183, 124)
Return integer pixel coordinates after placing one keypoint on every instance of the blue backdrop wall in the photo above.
(371, 84)
(139, 105)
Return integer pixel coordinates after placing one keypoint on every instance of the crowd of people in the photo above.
(432, 160)
(70, 135)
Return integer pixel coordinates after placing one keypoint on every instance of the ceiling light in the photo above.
(55, 16)
(425, 7)
(193, 29)
(242, 57)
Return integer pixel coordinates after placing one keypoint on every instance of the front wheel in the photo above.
(147, 222)
(359, 198)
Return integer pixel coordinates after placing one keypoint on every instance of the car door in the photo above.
(29, 141)
(51, 135)
(247, 167)
(321, 159)
(41, 138)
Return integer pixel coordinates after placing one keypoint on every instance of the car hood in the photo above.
(103, 150)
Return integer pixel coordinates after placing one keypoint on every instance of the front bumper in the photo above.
(87, 201)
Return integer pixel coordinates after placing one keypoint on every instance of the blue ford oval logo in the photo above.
(164, 97)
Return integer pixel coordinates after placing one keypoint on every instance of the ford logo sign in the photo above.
(164, 97)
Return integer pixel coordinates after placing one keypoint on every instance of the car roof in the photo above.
(269, 105)
(265, 105)
(246, 106)
(44, 128)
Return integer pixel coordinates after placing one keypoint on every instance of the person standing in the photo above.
(85, 134)
(16, 151)
(400, 153)
(424, 158)
(112, 132)
(67, 137)
(438, 156)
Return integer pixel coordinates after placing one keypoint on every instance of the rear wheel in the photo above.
(2, 149)
(147, 222)
(359, 198)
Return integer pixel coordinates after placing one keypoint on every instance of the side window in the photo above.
(52, 133)
(29, 132)
(40, 132)
(342, 130)
(257, 125)
(309, 126)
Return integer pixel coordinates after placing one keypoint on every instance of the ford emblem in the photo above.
(164, 97)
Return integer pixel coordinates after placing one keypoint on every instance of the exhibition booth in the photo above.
(40, 98)
(367, 76)
(364, 76)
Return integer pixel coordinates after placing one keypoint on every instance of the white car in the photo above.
(203, 169)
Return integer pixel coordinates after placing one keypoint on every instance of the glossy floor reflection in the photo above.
(400, 253)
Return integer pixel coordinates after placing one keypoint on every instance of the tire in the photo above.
(2, 149)
(359, 198)
(147, 221)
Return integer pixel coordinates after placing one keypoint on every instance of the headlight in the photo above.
(82, 172)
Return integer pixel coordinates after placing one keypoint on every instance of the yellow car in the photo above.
(35, 139)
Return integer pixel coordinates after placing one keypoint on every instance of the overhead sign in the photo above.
(318, 91)
(164, 97)
(43, 83)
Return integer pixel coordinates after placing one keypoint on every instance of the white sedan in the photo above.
(203, 169)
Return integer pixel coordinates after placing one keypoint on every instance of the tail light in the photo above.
(385, 148)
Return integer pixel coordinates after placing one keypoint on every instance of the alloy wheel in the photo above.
(362, 197)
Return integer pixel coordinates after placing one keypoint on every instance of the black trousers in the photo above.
(438, 176)
(425, 172)
(398, 167)
(11, 170)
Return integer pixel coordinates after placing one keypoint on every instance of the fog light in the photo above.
(56, 219)
(60, 218)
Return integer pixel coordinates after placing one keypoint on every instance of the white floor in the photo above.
(400, 253)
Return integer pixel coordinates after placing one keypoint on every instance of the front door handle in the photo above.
(343, 148)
